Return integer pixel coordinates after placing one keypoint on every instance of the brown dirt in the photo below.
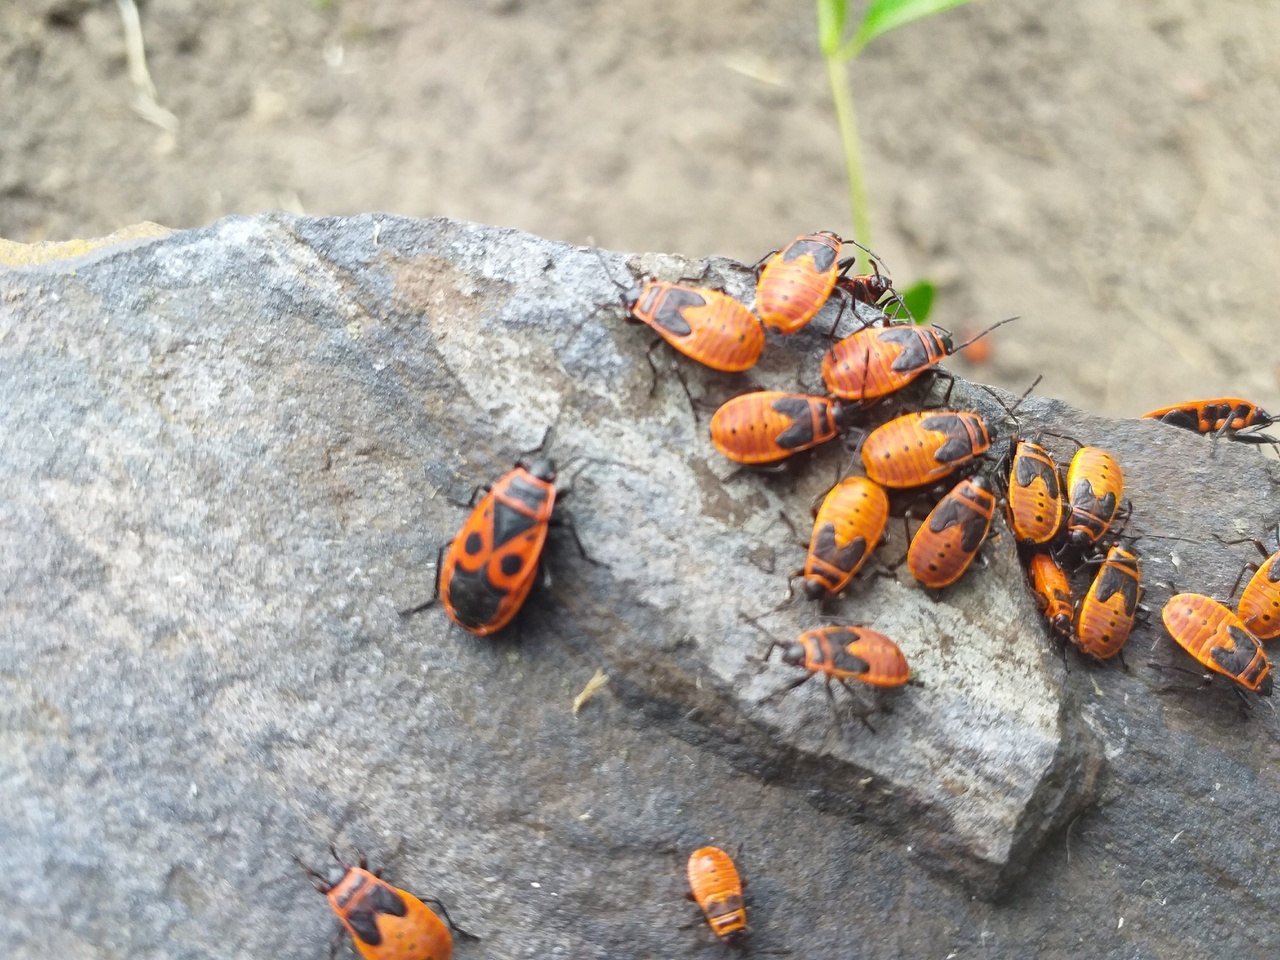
(1105, 170)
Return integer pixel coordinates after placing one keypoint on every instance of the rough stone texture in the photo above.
(229, 457)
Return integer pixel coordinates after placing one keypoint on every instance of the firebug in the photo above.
(385, 922)
(948, 541)
(920, 448)
(846, 528)
(717, 889)
(1215, 636)
(767, 426)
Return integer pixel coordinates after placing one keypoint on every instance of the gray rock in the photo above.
(229, 458)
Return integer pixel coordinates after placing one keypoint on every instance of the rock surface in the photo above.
(229, 457)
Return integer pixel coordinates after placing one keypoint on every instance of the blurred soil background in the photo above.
(1106, 170)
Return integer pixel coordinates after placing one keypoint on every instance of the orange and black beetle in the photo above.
(1233, 417)
(1215, 636)
(1053, 593)
(877, 361)
(385, 922)
(920, 448)
(716, 887)
(1106, 614)
(706, 325)
(1095, 486)
(1259, 605)
(485, 573)
(844, 653)
(948, 541)
(1033, 497)
(767, 426)
(846, 528)
(797, 281)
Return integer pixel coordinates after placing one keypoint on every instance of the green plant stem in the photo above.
(848, 124)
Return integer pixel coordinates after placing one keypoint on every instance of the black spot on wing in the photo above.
(1112, 581)
(958, 445)
(948, 513)
(823, 254)
(382, 899)
(1106, 506)
(1084, 498)
(1273, 570)
(1236, 658)
(670, 313)
(842, 558)
(797, 435)
(1026, 469)
(364, 923)
(974, 529)
(792, 407)
(800, 433)
(915, 353)
(1216, 413)
(816, 653)
(852, 554)
(953, 511)
(843, 636)
(848, 662)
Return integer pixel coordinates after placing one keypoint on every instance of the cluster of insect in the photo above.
(1228, 642)
(1087, 580)
(1085, 576)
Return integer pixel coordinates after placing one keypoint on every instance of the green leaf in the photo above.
(832, 15)
(885, 15)
(918, 299)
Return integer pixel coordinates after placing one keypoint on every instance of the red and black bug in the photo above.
(1106, 614)
(385, 922)
(877, 361)
(1215, 636)
(1033, 495)
(1232, 417)
(715, 886)
(485, 573)
(1095, 486)
(844, 653)
(1259, 605)
(920, 448)
(706, 325)
(846, 528)
(1052, 593)
(870, 288)
(767, 426)
(797, 281)
(948, 541)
